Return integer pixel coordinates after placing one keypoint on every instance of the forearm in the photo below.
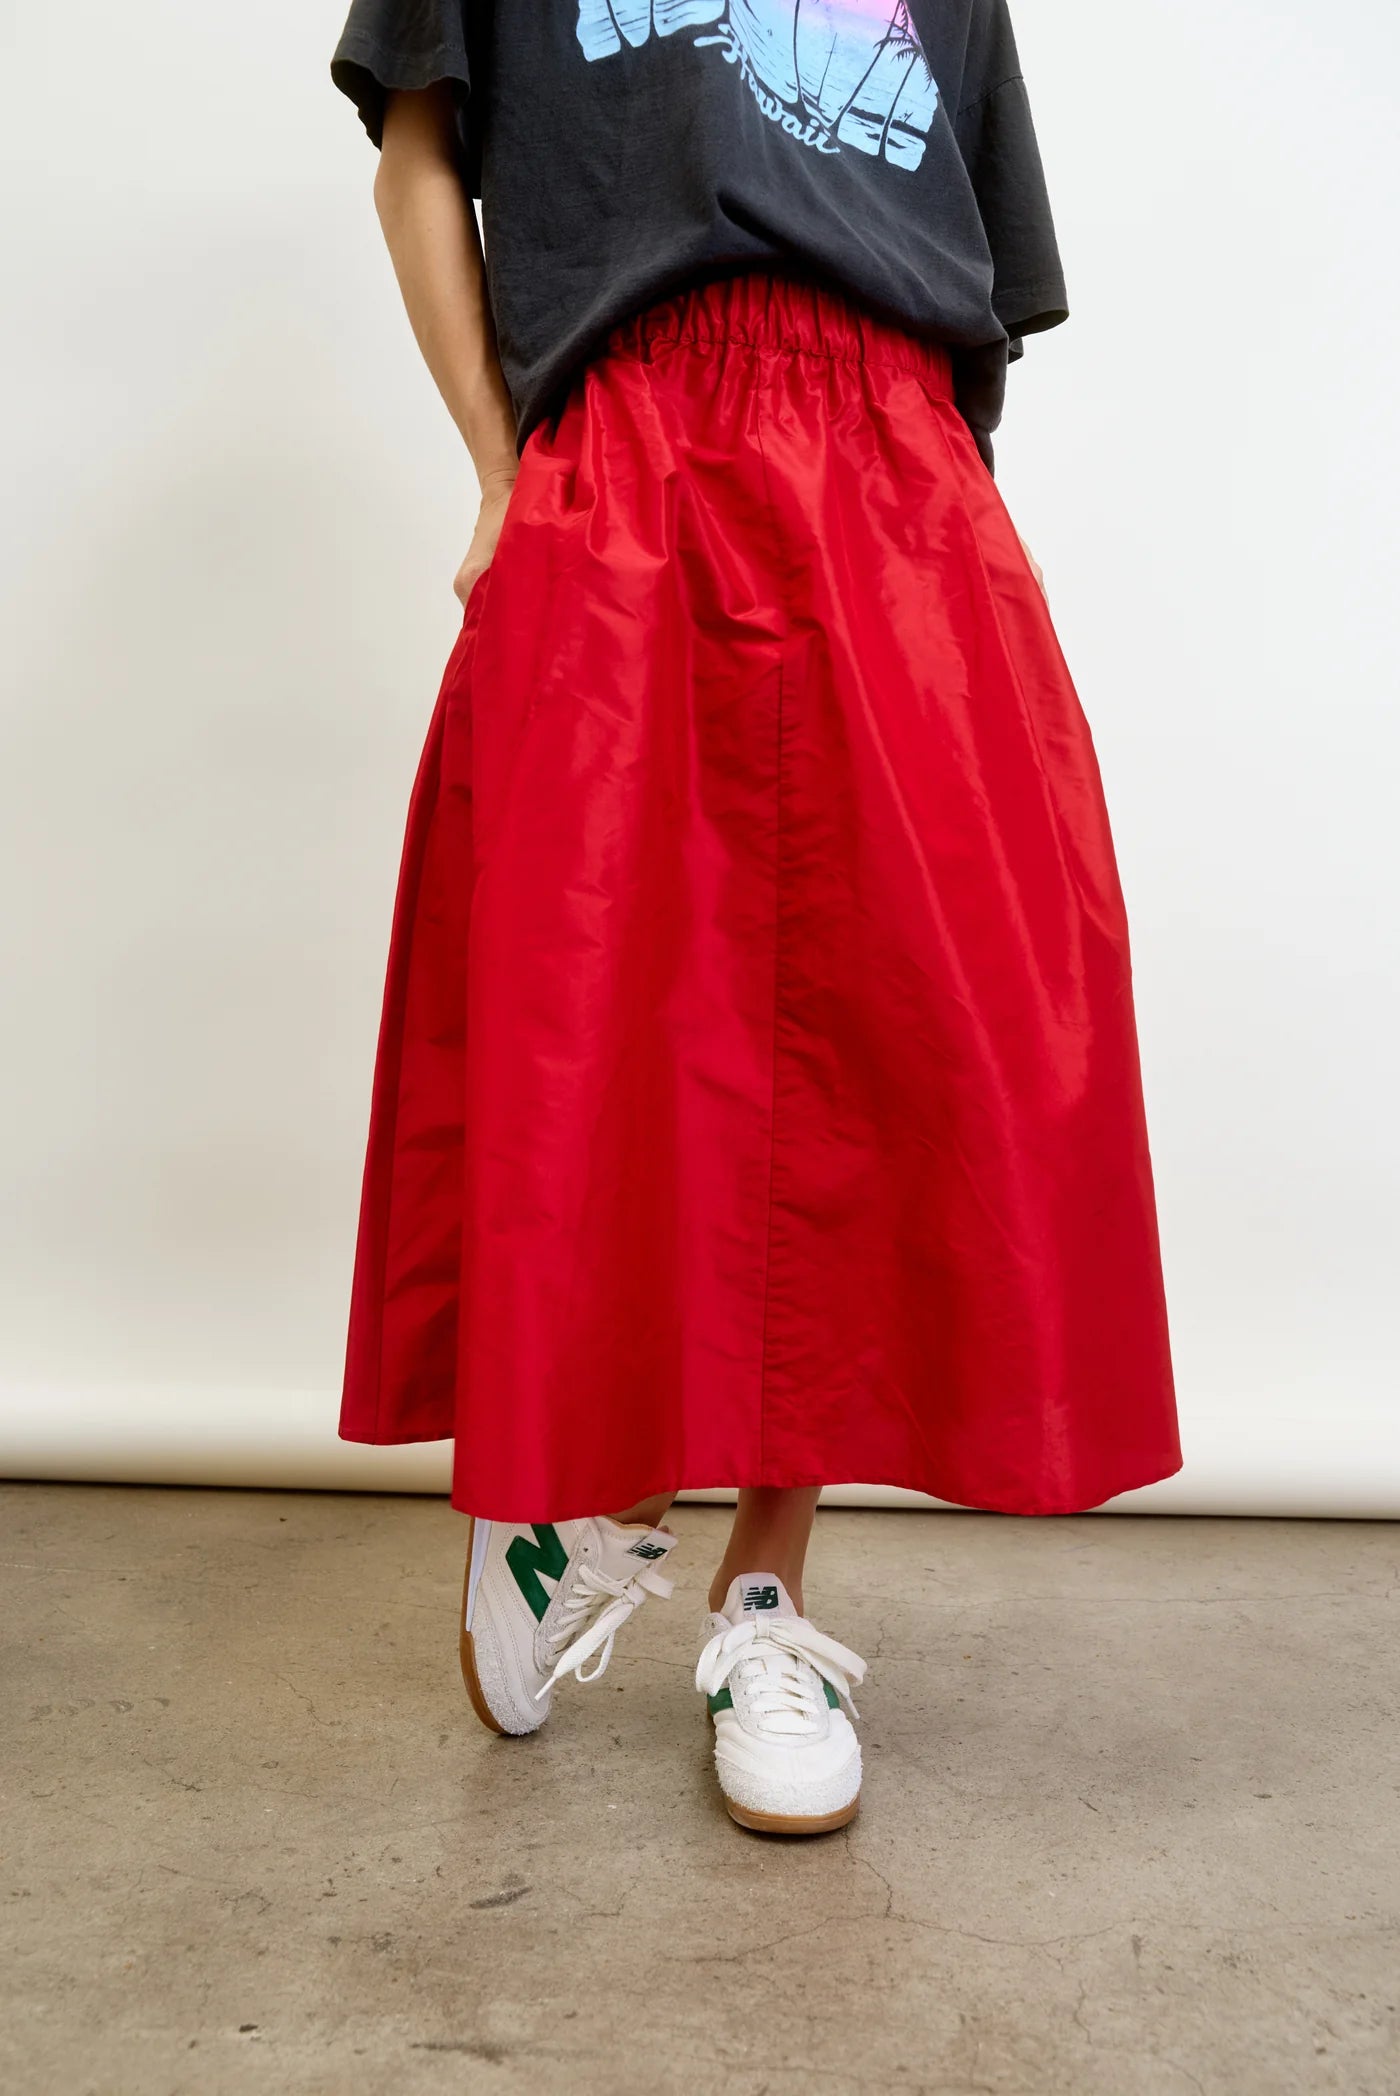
(430, 229)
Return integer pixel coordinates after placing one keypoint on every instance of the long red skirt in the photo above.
(757, 1097)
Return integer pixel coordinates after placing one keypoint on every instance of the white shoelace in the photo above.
(595, 1611)
(779, 1661)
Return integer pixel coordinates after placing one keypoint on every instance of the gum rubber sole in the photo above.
(467, 1650)
(775, 1823)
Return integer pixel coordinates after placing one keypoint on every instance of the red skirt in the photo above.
(757, 1097)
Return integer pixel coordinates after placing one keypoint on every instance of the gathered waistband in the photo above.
(776, 314)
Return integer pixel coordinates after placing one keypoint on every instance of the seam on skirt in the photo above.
(1014, 668)
(777, 963)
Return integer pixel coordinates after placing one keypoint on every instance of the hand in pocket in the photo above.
(495, 499)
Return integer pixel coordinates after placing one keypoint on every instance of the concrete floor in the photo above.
(1129, 1825)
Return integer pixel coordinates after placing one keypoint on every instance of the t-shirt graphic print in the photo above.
(832, 73)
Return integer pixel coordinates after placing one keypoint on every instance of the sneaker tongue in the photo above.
(761, 1595)
(627, 1551)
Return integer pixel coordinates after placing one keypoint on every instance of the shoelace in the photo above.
(595, 1611)
(780, 1662)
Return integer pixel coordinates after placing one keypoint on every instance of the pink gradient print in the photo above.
(832, 73)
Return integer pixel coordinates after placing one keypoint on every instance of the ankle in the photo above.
(647, 1513)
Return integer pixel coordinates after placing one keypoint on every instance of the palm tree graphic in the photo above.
(833, 73)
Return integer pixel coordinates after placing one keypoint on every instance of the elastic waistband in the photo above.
(776, 314)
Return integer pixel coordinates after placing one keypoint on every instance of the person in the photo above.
(757, 1101)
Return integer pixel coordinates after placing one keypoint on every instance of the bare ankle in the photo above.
(772, 1527)
(647, 1513)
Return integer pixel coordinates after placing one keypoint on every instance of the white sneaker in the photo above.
(786, 1752)
(540, 1599)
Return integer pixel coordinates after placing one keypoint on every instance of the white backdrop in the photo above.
(233, 511)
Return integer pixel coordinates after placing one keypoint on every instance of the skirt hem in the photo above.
(1153, 1470)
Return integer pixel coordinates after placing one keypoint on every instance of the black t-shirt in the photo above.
(624, 150)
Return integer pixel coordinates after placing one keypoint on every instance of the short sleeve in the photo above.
(403, 44)
(1002, 156)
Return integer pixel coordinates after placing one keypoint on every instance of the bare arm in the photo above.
(430, 229)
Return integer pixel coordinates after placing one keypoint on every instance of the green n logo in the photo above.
(527, 1560)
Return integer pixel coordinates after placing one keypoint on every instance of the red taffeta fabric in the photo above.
(757, 1098)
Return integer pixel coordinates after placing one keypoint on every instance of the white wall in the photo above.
(234, 510)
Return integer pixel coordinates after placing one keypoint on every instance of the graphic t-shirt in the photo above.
(625, 150)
